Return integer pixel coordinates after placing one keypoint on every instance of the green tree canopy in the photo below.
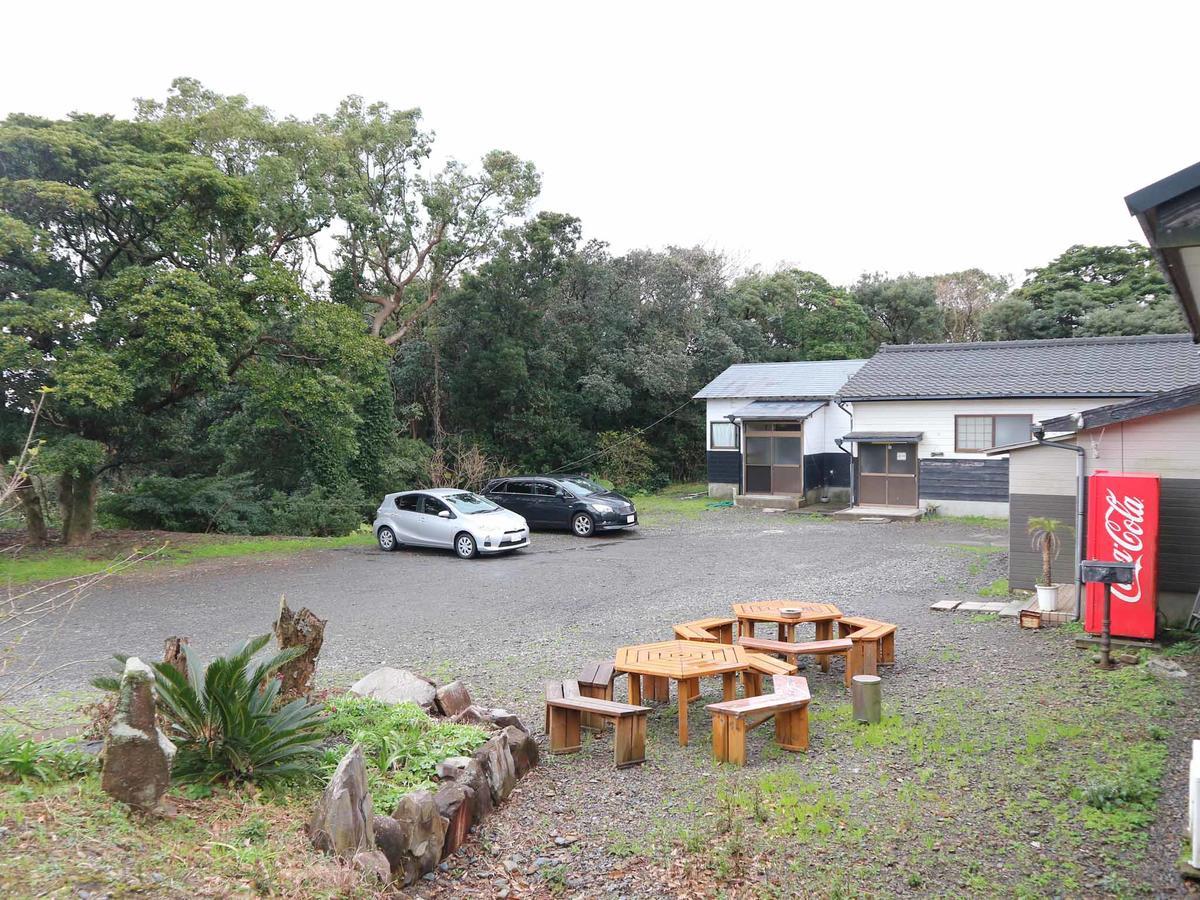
(802, 316)
(903, 310)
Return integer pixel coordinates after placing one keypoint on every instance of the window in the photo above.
(724, 435)
(498, 487)
(974, 434)
(519, 487)
(545, 490)
(470, 504)
(408, 502)
(433, 507)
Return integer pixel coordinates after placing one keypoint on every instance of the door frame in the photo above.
(767, 429)
(859, 474)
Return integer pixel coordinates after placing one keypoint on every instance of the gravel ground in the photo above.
(900, 823)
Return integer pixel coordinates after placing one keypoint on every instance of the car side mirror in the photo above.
(444, 514)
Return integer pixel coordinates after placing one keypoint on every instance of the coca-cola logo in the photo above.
(1123, 524)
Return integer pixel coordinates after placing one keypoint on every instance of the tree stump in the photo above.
(302, 629)
(175, 654)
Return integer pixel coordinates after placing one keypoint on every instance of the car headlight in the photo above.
(602, 507)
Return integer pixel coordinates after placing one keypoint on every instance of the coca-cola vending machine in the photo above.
(1123, 525)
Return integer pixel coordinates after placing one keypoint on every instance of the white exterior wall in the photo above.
(820, 429)
(1166, 443)
(717, 411)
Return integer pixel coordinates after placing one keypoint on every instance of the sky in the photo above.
(837, 137)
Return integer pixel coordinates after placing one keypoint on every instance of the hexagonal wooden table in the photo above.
(823, 615)
(685, 662)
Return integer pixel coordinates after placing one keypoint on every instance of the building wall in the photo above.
(959, 483)
(1042, 483)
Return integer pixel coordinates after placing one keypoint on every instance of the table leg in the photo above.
(824, 633)
(694, 690)
(728, 687)
(683, 692)
(790, 631)
(781, 632)
(635, 689)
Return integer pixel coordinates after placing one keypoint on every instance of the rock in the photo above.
(502, 718)
(1165, 668)
(390, 685)
(420, 837)
(497, 763)
(468, 773)
(342, 823)
(523, 748)
(373, 864)
(452, 698)
(1130, 659)
(454, 805)
(488, 718)
(137, 756)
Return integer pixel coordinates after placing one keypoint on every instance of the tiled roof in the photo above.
(1063, 367)
(782, 381)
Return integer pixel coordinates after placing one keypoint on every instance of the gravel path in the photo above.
(921, 798)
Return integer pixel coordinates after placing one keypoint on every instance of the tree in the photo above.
(1090, 291)
(404, 234)
(902, 310)
(149, 287)
(965, 297)
(802, 316)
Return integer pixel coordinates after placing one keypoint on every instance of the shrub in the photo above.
(401, 744)
(318, 511)
(625, 459)
(228, 504)
(224, 721)
(22, 759)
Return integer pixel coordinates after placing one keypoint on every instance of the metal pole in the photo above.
(1105, 637)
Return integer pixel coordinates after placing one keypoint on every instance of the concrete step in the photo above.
(769, 501)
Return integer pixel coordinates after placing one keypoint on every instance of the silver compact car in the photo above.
(456, 520)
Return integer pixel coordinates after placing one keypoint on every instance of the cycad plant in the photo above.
(1045, 534)
(224, 722)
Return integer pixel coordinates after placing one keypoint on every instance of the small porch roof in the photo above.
(884, 437)
(778, 409)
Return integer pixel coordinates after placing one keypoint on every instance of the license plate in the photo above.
(630, 519)
(515, 538)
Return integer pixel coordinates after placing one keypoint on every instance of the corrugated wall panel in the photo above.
(964, 479)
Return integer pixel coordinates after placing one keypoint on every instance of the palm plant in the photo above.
(224, 721)
(1045, 533)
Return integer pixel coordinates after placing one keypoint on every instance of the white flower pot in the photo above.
(1047, 596)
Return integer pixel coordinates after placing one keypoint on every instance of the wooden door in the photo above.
(774, 458)
(887, 474)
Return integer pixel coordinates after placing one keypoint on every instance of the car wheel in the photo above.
(464, 546)
(387, 539)
(583, 524)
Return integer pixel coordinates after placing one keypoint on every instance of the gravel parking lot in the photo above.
(973, 786)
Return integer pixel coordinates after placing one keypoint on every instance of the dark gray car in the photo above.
(563, 501)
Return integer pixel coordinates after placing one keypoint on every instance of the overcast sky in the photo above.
(841, 138)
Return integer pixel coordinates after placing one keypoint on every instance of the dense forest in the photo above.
(231, 321)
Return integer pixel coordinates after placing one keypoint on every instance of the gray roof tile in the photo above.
(782, 381)
(1063, 367)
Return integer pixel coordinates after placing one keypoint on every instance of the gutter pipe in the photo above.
(838, 441)
(1039, 435)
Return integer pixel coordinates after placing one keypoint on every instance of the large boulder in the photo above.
(390, 685)
(452, 698)
(468, 773)
(373, 864)
(342, 823)
(496, 760)
(137, 756)
(414, 846)
(523, 748)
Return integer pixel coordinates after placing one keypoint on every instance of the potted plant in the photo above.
(1045, 533)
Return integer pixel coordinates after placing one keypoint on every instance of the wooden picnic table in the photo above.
(822, 615)
(686, 662)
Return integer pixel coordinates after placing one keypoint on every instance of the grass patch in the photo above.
(56, 564)
(998, 588)
(988, 522)
(676, 502)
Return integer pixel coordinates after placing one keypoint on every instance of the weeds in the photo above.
(48, 762)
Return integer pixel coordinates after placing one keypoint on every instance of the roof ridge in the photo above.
(793, 362)
(1041, 342)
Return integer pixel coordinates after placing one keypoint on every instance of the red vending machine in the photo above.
(1123, 525)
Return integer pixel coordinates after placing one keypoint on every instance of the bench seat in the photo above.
(874, 642)
(716, 629)
(821, 649)
(788, 706)
(565, 709)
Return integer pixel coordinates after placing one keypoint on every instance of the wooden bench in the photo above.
(760, 665)
(842, 647)
(734, 718)
(874, 643)
(565, 709)
(596, 680)
(716, 630)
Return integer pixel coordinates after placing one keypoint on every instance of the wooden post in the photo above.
(866, 695)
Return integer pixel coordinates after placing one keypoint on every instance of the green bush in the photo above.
(401, 744)
(22, 759)
(318, 512)
(626, 460)
(225, 725)
(228, 504)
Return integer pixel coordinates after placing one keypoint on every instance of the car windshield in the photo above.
(581, 487)
(469, 504)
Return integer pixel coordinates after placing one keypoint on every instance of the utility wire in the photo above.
(637, 433)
